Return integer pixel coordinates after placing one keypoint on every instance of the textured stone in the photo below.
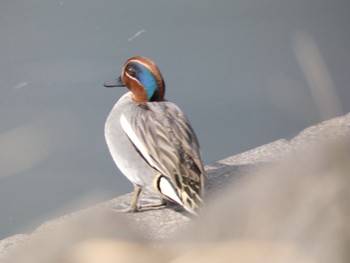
(262, 176)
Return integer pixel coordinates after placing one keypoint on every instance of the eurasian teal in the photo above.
(151, 140)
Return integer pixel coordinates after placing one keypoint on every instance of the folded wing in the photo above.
(163, 136)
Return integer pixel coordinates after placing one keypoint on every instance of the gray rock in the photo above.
(160, 226)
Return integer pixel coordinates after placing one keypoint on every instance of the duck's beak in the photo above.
(114, 83)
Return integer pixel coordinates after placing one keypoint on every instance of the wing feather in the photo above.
(163, 135)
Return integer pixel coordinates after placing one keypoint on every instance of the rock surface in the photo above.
(162, 226)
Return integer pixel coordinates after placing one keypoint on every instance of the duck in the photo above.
(152, 142)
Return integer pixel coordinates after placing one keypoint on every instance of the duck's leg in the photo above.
(138, 208)
(154, 205)
(135, 197)
(133, 203)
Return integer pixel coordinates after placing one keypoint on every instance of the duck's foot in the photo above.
(125, 210)
(133, 203)
(145, 204)
(152, 206)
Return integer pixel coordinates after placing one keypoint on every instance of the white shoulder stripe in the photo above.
(135, 140)
(168, 190)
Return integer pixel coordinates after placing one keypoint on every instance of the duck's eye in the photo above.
(131, 71)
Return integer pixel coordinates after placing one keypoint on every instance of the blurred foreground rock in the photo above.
(287, 201)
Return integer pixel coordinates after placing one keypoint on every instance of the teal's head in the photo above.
(143, 78)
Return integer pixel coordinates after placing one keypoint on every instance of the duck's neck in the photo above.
(158, 95)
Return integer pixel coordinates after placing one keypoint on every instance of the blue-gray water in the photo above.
(229, 65)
